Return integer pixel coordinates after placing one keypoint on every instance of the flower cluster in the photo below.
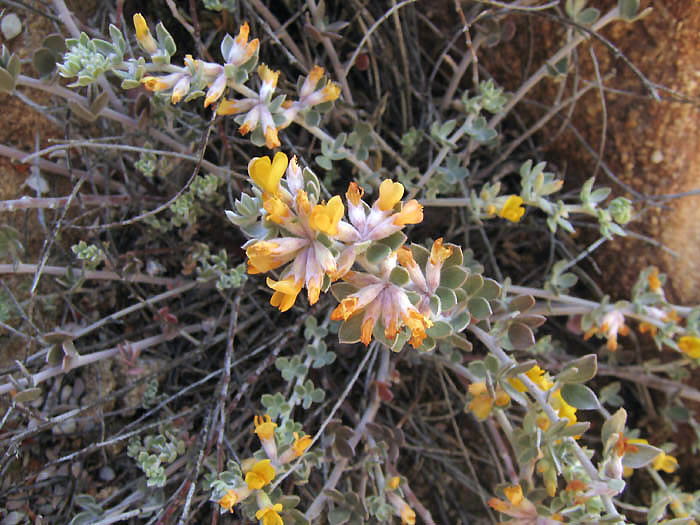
(259, 112)
(315, 245)
(259, 473)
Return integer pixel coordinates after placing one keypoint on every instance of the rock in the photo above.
(653, 147)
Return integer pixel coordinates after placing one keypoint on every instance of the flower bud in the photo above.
(621, 210)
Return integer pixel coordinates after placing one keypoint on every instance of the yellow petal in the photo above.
(514, 495)
(411, 213)
(267, 174)
(354, 193)
(325, 217)
(665, 462)
(690, 346)
(390, 194)
(439, 253)
(265, 427)
(512, 209)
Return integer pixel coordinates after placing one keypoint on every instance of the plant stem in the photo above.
(24, 268)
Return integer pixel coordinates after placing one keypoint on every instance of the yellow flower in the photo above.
(408, 516)
(267, 173)
(517, 505)
(325, 217)
(439, 253)
(402, 509)
(143, 35)
(665, 462)
(270, 515)
(563, 408)
(536, 375)
(155, 83)
(411, 213)
(301, 444)
(265, 427)
(482, 402)
(653, 280)
(649, 328)
(390, 194)
(260, 475)
(268, 76)
(286, 292)
(512, 209)
(229, 500)
(690, 346)
(277, 210)
(393, 483)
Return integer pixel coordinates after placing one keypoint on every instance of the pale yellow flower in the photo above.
(260, 475)
(270, 515)
(690, 346)
(512, 210)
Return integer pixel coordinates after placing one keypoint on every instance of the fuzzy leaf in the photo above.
(448, 299)
(580, 370)
(479, 308)
(460, 342)
(377, 252)
(614, 425)
(645, 454)
(399, 276)
(453, 277)
(439, 330)
(474, 284)
(580, 396)
(521, 336)
(351, 330)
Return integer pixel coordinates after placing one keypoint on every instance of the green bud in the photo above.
(621, 210)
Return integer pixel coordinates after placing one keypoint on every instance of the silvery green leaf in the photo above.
(490, 290)
(13, 66)
(439, 330)
(399, 276)
(7, 82)
(421, 254)
(460, 322)
(453, 276)
(581, 370)
(377, 253)
(117, 39)
(324, 162)
(521, 336)
(479, 308)
(576, 429)
(456, 258)
(226, 45)
(394, 241)
(628, 9)
(165, 40)
(644, 455)
(44, 61)
(448, 299)
(312, 118)
(460, 342)
(580, 396)
(435, 305)
(351, 330)
(130, 84)
(11, 26)
(428, 345)
(473, 284)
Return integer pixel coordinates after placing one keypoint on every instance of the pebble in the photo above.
(107, 473)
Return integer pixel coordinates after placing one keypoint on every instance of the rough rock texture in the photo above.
(653, 147)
